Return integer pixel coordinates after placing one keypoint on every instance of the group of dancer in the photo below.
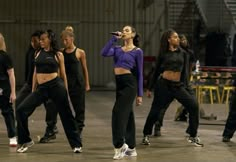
(53, 78)
(170, 81)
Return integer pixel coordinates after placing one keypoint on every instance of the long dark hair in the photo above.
(52, 37)
(164, 44)
(136, 39)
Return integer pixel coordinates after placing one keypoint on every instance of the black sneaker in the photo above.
(157, 133)
(225, 139)
(145, 140)
(195, 141)
(55, 130)
(181, 114)
(47, 137)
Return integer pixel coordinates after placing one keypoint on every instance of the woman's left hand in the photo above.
(139, 100)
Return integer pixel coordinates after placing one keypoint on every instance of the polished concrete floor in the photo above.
(171, 146)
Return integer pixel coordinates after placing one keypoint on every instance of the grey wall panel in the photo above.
(217, 14)
(92, 21)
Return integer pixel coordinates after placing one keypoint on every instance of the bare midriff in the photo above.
(43, 78)
(171, 75)
(119, 71)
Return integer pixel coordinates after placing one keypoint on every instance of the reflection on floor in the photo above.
(171, 146)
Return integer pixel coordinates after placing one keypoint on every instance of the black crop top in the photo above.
(171, 61)
(46, 62)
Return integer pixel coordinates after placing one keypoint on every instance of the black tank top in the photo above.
(73, 70)
(72, 64)
(46, 62)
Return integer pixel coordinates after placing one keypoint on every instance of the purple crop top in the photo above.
(127, 60)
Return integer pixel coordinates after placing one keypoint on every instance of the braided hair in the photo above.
(164, 45)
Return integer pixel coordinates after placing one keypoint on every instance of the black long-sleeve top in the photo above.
(171, 60)
(189, 62)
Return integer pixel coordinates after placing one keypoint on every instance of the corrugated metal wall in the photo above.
(92, 21)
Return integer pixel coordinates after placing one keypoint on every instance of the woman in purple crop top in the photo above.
(128, 68)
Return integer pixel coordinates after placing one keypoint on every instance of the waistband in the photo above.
(50, 81)
(124, 75)
(172, 82)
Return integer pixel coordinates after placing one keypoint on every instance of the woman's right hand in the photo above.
(12, 97)
(119, 35)
(87, 88)
(148, 93)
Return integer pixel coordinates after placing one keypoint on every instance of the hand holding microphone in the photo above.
(118, 34)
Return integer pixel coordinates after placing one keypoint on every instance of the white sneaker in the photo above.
(131, 152)
(196, 141)
(77, 150)
(13, 142)
(120, 152)
(24, 147)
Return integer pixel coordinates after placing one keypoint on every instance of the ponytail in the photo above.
(136, 40)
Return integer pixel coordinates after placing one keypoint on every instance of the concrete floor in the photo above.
(171, 146)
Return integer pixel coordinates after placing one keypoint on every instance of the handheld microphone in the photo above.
(115, 33)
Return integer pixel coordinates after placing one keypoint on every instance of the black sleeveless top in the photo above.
(72, 64)
(73, 70)
(46, 62)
